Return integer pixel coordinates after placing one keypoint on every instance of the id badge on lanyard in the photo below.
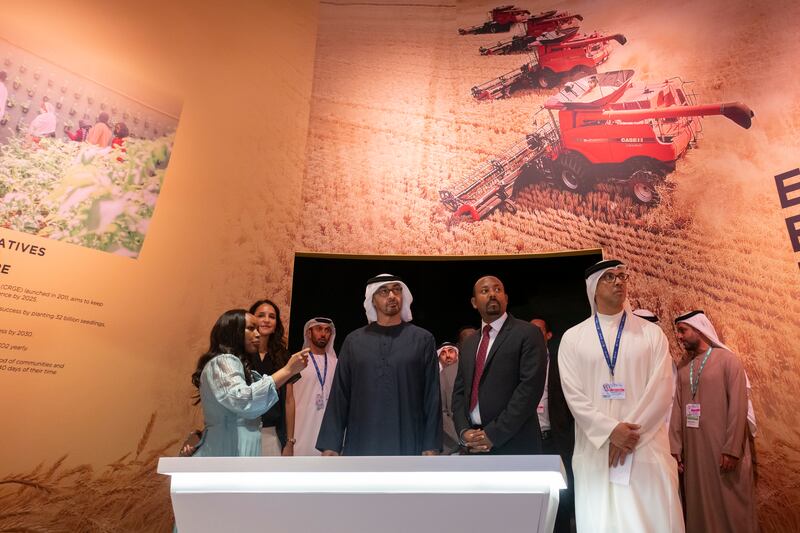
(692, 415)
(693, 409)
(613, 390)
(321, 377)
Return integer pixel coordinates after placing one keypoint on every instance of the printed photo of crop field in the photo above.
(126, 495)
(97, 198)
(79, 162)
(393, 122)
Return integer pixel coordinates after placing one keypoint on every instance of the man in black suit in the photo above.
(500, 379)
(558, 428)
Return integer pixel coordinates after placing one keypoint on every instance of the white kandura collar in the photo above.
(610, 318)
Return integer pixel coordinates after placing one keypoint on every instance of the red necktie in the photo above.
(480, 360)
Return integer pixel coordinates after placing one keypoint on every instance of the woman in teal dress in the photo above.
(233, 396)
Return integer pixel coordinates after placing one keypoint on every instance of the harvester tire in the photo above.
(573, 172)
(509, 207)
(449, 201)
(546, 79)
(644, 190)
(646, 174)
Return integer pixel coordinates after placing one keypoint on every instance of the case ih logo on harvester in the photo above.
(534, 28)
(556, 54)
(501, 19)
(600, 126)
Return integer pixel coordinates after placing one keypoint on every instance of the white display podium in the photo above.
(464, 494)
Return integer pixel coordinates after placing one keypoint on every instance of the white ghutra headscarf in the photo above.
(376, 283)
(593, 275)
(646, 314)
(320, 321)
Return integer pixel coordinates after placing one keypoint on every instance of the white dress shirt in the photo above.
(475, 415)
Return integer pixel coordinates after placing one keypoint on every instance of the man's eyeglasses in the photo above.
(610, 277)
(384, 291)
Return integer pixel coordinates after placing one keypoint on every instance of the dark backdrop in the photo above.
(545, 286)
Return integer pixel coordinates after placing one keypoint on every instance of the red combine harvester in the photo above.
(535, 27)
(602, 126)
(501, 19)
(556, 54)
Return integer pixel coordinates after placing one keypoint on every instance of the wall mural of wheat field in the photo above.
(434, 133)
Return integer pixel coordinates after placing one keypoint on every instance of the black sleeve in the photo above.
(334, 421)
(460, 402)
(532, 374)
(432, 439)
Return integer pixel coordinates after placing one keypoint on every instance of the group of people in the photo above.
(248, 385)
(608, 399)
(100, 134)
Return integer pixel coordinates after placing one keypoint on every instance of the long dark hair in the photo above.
(227, 336)
(276, 347)
(121, 130)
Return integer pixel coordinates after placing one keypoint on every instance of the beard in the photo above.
(493, 307)
(320, 343)
(691, 346)
(391, 309)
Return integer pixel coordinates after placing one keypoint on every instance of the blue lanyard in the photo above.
(694, 385)
(611, 362)
(320, 377)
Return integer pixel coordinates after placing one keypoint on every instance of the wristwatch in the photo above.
(291, 441)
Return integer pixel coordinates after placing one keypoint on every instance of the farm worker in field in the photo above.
(100, 134)
(80, 134)
(385, 394)
(616, 373)
(709, 433)
(312, 390)
(44, 124)
(120, 133)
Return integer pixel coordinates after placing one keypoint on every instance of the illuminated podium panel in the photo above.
(487, 494)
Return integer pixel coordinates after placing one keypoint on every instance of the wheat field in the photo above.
(126, 495)
(393, 122)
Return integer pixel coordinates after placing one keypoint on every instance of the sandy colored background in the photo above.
(262, 167)
(221, 236)
(392, 120)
